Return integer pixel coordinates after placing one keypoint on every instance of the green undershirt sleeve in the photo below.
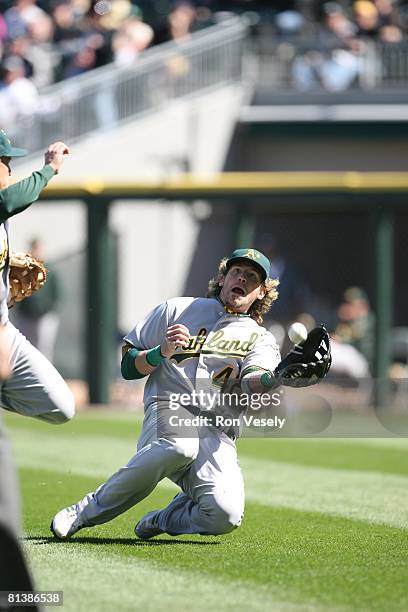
(19, 196)
(127, 366)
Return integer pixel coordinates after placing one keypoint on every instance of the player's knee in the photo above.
(226, 520)
(65, 415)
(186, 448)
(223, 517)
(66, 407)
(62, 409)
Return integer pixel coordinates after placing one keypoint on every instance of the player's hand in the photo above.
(55, 154)
(176, 335)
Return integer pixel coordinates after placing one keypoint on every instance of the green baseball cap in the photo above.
(6, 148)
(253, 256)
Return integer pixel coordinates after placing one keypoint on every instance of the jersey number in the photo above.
(221, 380)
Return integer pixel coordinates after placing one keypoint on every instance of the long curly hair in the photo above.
(260, 307)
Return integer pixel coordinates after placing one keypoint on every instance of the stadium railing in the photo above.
(104, 97)
(374, 65)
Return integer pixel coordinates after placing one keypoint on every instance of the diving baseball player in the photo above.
(186, 346)
(34, 387)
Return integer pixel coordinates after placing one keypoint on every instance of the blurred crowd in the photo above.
(347, 36)
(45, 41)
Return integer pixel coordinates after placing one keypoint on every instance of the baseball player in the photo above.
(34, 387)
(184, 346)
(14, 575)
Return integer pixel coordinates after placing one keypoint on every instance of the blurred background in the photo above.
(198, 127)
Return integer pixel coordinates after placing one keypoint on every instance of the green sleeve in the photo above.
(19, 196)
(128, 368)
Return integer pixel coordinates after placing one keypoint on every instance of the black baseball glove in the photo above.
(308, 362)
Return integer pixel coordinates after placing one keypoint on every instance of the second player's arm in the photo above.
(17, 197)
(138, 363)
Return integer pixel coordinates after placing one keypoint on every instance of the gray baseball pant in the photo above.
(34, 388)
(204, 466)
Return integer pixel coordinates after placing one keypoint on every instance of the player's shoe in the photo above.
(65, 523)
(147, 527)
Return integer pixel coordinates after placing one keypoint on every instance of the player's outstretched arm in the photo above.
(137, 363)
(259, 381)
(306, 364)
(259, 365)
(17, 197)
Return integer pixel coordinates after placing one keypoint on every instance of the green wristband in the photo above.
(154, 356)
(268, 380)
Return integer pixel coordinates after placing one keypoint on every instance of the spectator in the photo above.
(387, 12)
(65, 19)
(348, 362)
(21, 15)
(41, 51)
(340, 70)
(353, 337)
(390, 34)
(367, 18)
(38, 317)
(289, 22)
(337, 29)
(97, 35)
(18, 95)
(82, 61)
(335, 65)
(132, 37)
(20, 47)
(67, 36)
(180, 23)
(356, 322)
(121, 10)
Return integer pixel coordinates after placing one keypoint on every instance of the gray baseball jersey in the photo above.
(223, 346)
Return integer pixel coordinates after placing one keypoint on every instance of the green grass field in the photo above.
(325, 527)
